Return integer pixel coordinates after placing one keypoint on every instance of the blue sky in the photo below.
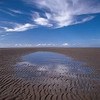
(64, 23)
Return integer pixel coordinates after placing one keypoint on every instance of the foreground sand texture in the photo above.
(70, 86)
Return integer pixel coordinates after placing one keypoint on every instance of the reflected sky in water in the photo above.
(49, 63)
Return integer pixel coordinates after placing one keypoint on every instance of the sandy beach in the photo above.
(20, 81)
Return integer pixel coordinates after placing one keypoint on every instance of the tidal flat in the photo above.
(50, 74)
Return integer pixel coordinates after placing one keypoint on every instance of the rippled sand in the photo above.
(20, 80)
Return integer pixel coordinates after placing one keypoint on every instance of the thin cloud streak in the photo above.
(19, 27)
(15, 11)
(7, 12)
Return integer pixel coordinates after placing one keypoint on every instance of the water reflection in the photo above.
(49, 63)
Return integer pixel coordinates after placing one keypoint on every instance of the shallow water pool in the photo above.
(44, 63)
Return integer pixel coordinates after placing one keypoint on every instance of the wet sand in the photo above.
(68, 86)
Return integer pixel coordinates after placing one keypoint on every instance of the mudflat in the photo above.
(50, 74)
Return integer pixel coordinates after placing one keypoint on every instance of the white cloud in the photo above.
(60, 13)
(45, 45)
(51, 45)
(27, 45)
(16, 45)
(19, 27)
(23, 45)
(39, 20)
(65, 44)
(42, 21)
(53, 13)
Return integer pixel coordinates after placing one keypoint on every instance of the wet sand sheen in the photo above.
(22, 78)
(47, 63)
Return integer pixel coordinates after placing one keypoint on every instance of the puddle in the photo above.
(48, 63)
